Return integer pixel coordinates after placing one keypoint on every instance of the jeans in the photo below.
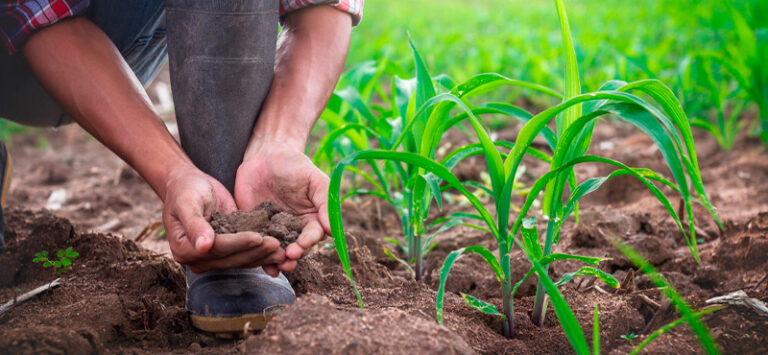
(221, 60)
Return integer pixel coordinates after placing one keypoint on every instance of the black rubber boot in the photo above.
(221, 59)
(222, 55)
(6, 167)
(223, 301)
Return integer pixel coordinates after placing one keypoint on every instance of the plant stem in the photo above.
(506, 295)
(540, 304)
(419, 257)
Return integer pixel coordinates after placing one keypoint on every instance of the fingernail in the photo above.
(200, 241)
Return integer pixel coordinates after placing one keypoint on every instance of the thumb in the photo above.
(197, 228)
(319, 197)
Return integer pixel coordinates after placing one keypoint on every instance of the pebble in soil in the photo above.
(267, 219)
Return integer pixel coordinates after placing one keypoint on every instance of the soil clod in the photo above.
(266, 219)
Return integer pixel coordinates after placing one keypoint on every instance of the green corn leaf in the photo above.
(675, 298)
(596, 331)
(565, 315)
(402, 92)
(558, 256)
(357, 192)
(446, 269)
(425, 90)
(334, 120)
(353, 98)
(433, 182)
(542, 181)
(401, 261)
(478, 186)
(475, 226)
(483, 83)
(519, 283)
(669, 327)
(572, 82)
(482, 306)
(325, 146)
(334, 200)
(607, 278)
(445, 81)
(669, 103)
(524, 116)
(530, 234)
(396, 243)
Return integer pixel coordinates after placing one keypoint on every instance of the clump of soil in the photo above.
(266, 219)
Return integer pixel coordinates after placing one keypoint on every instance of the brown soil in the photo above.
(266, 219)
(121, 298)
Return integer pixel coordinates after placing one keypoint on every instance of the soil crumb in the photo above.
(266, 219)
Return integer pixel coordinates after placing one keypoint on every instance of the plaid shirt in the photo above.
(20, 18)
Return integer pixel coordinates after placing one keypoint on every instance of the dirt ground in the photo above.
(124, 295)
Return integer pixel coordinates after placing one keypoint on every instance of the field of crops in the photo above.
(533, 177)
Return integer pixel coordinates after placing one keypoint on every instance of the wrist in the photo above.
(276, 138)
(171, 175)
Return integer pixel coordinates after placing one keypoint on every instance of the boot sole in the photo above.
(232, 324)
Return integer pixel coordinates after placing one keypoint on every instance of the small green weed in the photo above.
(60, 266)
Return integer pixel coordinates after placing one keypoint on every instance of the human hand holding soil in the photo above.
(282, 173)
(191, 198)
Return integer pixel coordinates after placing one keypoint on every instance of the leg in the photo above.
(221, 61)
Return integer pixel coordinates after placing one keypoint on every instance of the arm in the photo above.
(83, 71)
(310, 57)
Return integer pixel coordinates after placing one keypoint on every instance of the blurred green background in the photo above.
(520, 38)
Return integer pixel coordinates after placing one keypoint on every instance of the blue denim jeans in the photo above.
(137, 28)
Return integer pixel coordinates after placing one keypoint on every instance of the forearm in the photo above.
(82, 70)
(310, 56)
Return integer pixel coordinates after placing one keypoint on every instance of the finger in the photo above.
(288, 265)
(181, 247)
(225, 201)
(271, 270)
(233, 243)
(310, 235)
(319, 196)
(268, 253)
(189, 212)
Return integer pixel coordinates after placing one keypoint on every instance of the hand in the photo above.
(191, 197)
(281, 172)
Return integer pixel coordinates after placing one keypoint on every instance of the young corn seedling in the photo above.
(744, 59)
(408, 188)
(354, 124)
(727, 124)
(666, 125)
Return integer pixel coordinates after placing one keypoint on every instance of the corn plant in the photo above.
(744, 60)
(657, 113)
(701, 82)
(406, 187)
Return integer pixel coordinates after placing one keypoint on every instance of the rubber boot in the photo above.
(221, 59)
(222, 55)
